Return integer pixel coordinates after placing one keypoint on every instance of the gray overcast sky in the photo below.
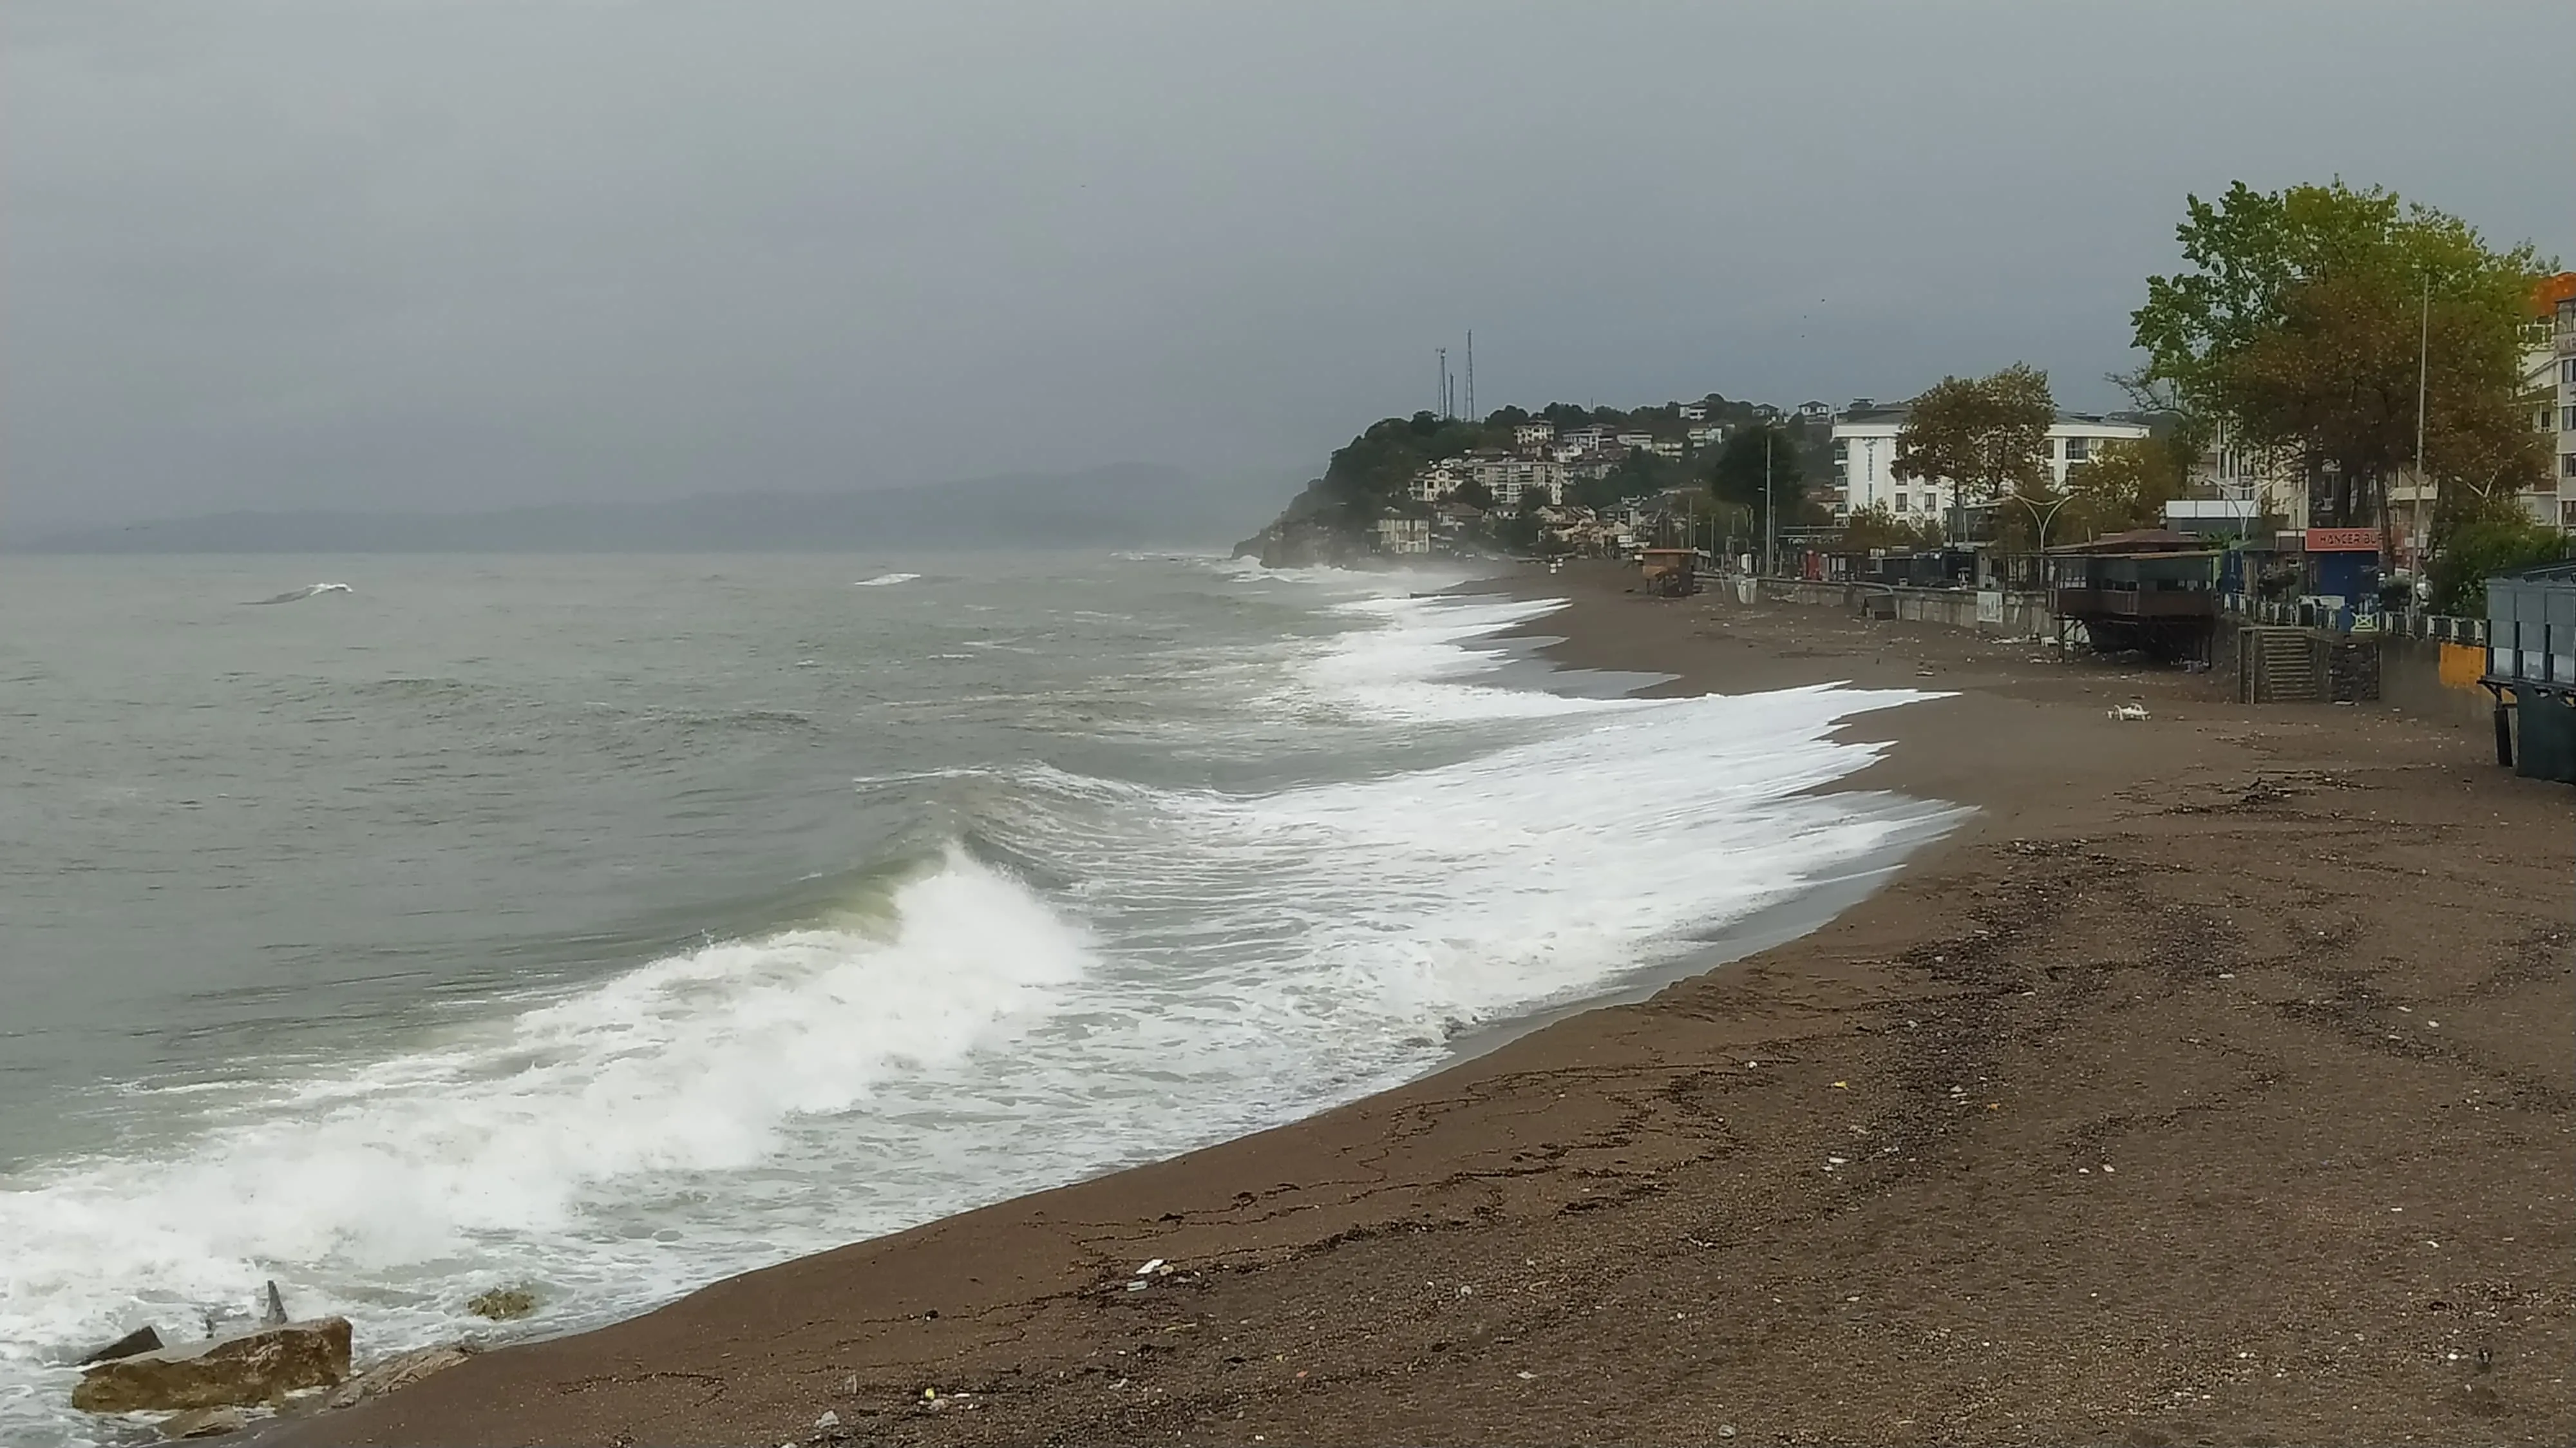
(363, 254)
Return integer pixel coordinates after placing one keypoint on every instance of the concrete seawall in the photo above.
(2435, 680)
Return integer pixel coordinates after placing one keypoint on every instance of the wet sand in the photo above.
(2209, 1083)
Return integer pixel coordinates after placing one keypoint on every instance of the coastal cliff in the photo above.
(1316, 529)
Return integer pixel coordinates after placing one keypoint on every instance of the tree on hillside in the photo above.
(1373, 471)
(2298, 323)
(1507, 417)
(1986, 437)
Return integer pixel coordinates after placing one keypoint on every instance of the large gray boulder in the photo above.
(242, 1370)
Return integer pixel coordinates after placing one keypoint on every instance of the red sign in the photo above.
(2343, 540)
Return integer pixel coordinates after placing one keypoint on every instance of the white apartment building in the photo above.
(1533, 434)
(1509, 478)
(2550, 369)
(1708, 435)
(1865, 460)
(1645, 440)
(1585, 438)
(1436, 481)
(1404, 535)
(1504, 475)
(1694, 412)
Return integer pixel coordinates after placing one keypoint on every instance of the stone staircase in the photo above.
(2278, 666)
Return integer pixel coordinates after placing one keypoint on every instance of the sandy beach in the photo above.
(2207, 1083)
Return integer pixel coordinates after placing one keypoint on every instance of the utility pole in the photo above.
(2423, 373)
(1440, 406)
(1770, 510)
(1472, 414)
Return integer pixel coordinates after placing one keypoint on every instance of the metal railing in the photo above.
(2402, 623)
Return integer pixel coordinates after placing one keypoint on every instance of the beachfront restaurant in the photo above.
(2152, 590)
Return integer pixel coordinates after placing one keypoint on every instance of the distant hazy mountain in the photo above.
(1129, 505)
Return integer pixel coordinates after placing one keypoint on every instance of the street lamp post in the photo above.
(2043, 519)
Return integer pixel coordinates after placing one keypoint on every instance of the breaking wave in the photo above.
(1093, 972)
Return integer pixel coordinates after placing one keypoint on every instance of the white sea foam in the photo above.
(884, 580)
(1213, 962)
(310, 590)
(386, 1189)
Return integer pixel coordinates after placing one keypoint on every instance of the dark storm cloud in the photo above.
(437, 255)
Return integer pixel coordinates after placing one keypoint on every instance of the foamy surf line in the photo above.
(1212, 964)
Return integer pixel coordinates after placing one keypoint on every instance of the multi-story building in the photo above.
(2240, 490)
(1535, 434)
(1865, 460)
(1404, 535)
(1437, 481)
(1707, 434)
(2550, 372)
(1509, 478)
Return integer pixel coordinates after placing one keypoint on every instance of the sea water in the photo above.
(611, 925)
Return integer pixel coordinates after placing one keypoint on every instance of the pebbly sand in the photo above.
(2207, 1084)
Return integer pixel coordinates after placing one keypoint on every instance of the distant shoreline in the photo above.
(1127, 505)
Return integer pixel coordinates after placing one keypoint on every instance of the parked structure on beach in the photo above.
(2152, 590)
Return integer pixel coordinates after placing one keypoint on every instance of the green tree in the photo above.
(2478, 550)
(1740, 470)
(2125, 485)
(1984, 436)
(1518, 529)
(2298, 321)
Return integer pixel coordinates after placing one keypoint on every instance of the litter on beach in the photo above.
(2129, 713)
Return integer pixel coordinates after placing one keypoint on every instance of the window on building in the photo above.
(2567, 419)
(2567, 465)
(1900, 502)
(2567, 371)
(2078, 449)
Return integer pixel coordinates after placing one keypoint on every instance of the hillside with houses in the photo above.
(1566, 478)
